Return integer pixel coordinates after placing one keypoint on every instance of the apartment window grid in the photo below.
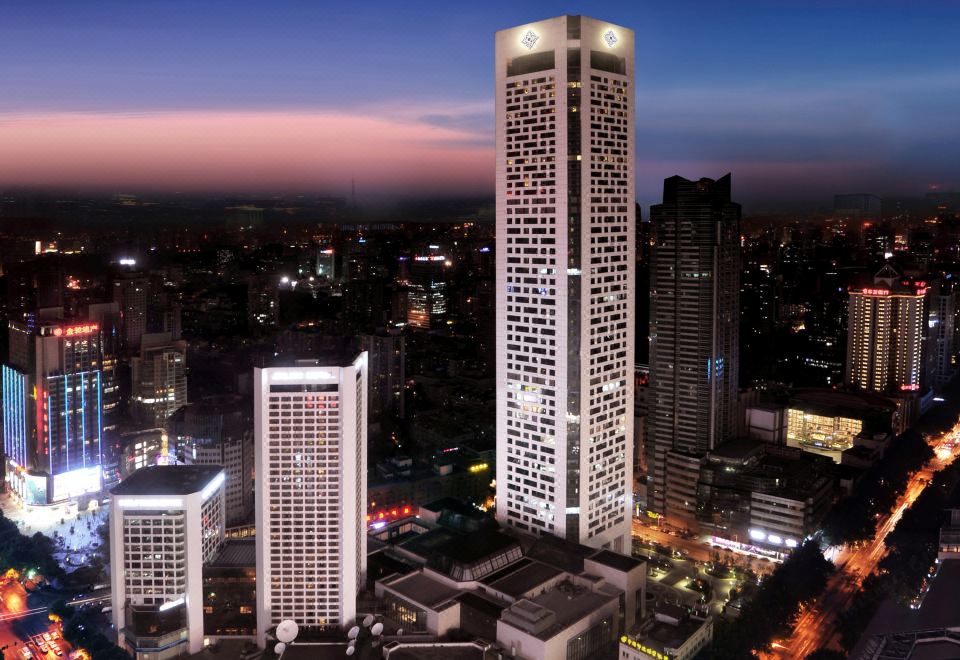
(532, 283)
(213, 525)
(304, 498)
(154, 556)
(607, 280)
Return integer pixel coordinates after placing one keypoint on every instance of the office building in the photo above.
(131, 291)
(166, 522)
(219, 431)
(565, 217)
(941, 335)
(386, 374)
(52, 407)
(427, 291)
(146, 448)
(694, 330)
(310, 425)
(885, 334)
(159, 378)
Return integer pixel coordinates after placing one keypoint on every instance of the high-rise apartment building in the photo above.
(131, 290)
(565, 277)
(694, 335)
(386, 374)
(52, 422)
(166, 522)
(427, 293)
(219, 431)
(159, 378)
(885, 334)
(310, 425)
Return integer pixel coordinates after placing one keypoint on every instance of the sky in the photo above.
(798, 99)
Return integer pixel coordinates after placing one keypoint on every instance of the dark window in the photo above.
(525, 64)
(607, 62)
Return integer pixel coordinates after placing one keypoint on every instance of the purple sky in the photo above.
(798, 99)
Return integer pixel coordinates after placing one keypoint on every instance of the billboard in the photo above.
(74, 483)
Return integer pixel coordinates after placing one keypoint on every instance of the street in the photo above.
(816, 626)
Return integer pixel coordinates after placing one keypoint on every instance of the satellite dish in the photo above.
(353, 632)
(351, 650)
(368, 621)
(287, 631)
(377, 629)
(399, 631)
(279, 648)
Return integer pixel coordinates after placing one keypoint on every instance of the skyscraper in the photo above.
(565, 277)
(219, 431)
(310, 424)
(886, 333)
(694, 334)
(159, 378)
(131, 290)
(427, 291)
(52, 407)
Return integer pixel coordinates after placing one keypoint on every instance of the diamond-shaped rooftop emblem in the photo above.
(530, 39)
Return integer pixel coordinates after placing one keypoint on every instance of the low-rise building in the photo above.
(536, 598)
(672, 634)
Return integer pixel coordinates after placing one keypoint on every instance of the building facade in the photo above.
(885, 335)
(166, 522)
(219, 431)
(694, 333)
(52, 403)
(565, 279)
(387, 374)
(311, 439)
(159, 378)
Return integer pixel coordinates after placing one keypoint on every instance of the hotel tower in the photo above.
(565, 279)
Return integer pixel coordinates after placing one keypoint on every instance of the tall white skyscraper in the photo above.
(565, 274)
(310, 422)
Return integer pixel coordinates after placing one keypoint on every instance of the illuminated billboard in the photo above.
(75, 483)
(34, 489)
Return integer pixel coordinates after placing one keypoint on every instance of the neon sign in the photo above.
(876, 292)
(909, 387)
(74, 330)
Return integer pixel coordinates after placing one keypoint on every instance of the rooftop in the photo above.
(236, 553)
(423, 589)
(168, 480)
(526, 578)
(616, 560)
(662, 636)
(566, 602)
(826, 401)
(472, 548)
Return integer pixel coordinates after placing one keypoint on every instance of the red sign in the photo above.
(876, 292)
(907, 387)
(74, 330)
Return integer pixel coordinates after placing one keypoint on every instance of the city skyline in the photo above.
(799, 102)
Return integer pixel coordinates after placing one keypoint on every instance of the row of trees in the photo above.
(82, 630)
(774, 607)
(26, 553)
(911, 551)
(854, 518)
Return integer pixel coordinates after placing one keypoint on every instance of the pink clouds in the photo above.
(296, 150)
